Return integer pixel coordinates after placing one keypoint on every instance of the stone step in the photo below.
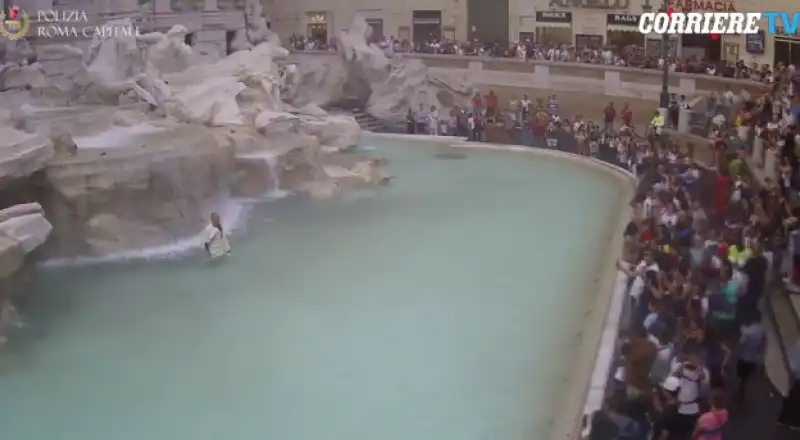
(364, 120)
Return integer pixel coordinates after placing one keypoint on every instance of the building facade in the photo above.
(211, 24)
(581, 22)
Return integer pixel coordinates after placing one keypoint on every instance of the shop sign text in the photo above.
(590, 4)
(702, 5)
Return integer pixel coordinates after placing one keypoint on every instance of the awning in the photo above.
(553, 25)
(621, 28)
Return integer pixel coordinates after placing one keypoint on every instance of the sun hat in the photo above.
(671, 384)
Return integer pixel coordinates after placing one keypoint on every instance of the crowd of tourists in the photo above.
(701, 250)
(535, 124)
(706, 242)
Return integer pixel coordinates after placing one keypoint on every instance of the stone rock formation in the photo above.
(21, 153)
(23, 228)
(362, 75)
(134, 142)
(138, 143)
(411, 84)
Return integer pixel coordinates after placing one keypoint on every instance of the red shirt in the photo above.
(610, 114)
(721, 194)
(627, 116)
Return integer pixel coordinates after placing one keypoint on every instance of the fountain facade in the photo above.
(140, 137)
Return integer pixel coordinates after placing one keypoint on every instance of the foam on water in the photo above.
(232, 211)
(114, 136)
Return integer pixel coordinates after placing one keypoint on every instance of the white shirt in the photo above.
(662, 366)
(637, 287)
(668, 219)
(693, 385)
(217, 241)
(647, 206)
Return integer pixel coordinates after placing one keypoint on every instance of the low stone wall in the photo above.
(581, 88)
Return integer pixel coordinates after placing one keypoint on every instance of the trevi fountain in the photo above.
(380, 286)
(140, 141)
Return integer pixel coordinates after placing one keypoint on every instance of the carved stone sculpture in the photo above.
(387, 88)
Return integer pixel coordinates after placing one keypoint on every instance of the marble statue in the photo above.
(256, 26)
(140, 116)
(134, 141)
(18, 66)
(116, 65)
(257, 29)
(385, 87)
(168, 53)
(139, 140)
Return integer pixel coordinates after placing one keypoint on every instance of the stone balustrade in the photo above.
(613, 81)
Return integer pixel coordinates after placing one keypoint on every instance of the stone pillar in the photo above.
(684, 115)
(210, 5)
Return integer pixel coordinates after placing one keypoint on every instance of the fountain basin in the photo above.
(383, 312)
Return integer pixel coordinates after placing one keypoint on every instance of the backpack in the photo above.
(629, 429)
(713, 432)
(719, 306)
(603, 427)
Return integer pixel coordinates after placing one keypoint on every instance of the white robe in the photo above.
(217, 242)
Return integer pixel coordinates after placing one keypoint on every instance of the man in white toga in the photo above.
(216, 241)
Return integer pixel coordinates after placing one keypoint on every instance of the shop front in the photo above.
(426, 26)
(377, 29)
(710, 47)
(554, 27)
(623, 30)
(488, 20)
(787, 47)
(317, 27)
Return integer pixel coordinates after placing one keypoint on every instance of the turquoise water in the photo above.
(441, 307)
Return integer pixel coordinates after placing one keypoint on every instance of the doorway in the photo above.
(621, 39)
(707, 45)
(787, 51)
(318, 32)
(230, 37)
(488, 21)
(377, 29)
(427, 26)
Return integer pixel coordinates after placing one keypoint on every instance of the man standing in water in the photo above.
(216, 241)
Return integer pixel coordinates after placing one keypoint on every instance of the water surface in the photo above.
(442, 307)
